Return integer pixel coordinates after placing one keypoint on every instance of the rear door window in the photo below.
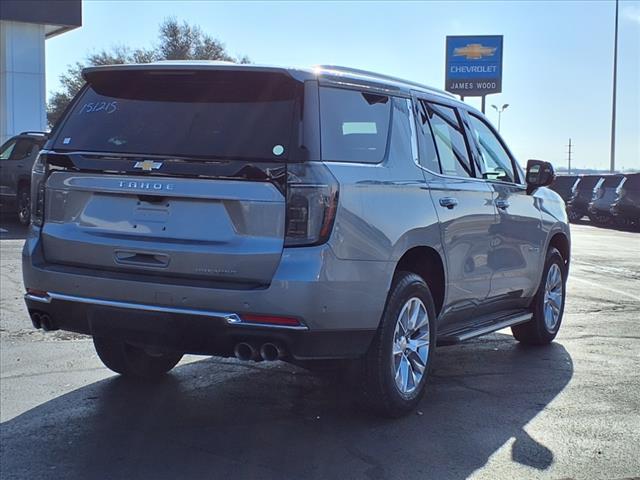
(426, 141)
(211, 114)
(450, 141)
(354, 125)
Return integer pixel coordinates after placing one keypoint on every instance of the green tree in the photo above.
(177, 41)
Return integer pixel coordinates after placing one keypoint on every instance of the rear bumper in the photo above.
(338, 302)
(189, 331)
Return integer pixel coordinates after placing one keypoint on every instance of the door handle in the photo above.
(448, 202)
(502, 204)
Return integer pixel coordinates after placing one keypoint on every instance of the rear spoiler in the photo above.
(185, 66)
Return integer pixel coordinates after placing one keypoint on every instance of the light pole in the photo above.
(612, 166)
(500, 110)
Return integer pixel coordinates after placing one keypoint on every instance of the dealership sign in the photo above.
(474, 65)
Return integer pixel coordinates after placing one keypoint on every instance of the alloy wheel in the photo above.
(411, 343)
(553, 293)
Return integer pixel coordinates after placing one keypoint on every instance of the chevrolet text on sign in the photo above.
(474, 65)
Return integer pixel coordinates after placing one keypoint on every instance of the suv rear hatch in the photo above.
(176, 173)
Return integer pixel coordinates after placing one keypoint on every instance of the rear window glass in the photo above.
(612, 181)
(587, 183)
(564, 181)
(354, 125)
(212, 114)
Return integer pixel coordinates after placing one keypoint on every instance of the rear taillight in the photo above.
(38, 177)
(312, 203)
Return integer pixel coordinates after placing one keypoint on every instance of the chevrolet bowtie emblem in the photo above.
(148, 165)
(474, 51)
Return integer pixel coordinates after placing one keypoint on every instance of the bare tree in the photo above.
(177, 41)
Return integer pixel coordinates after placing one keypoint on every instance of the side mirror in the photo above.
(539, 174)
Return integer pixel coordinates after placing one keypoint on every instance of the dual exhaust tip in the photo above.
(267, 351)
(42, 320)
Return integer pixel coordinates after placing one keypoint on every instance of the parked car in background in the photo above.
(578, 204)
(16, 159)
(563, 186)
(604, 194)
(626, 207)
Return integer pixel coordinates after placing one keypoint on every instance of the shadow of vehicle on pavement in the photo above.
(218, 418)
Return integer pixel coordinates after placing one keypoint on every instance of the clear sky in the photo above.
(558, 55)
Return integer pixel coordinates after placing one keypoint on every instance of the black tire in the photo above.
(23, 205)
(536, 331)
(131, 361)
(601, 220)
(573, 215)
(379, 392)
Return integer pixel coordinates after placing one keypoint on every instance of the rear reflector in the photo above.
(271, 320)
(37, 293)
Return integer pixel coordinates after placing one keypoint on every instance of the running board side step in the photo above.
(462, 335)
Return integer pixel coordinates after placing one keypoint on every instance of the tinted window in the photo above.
(7, 149)
(401, 143)
(587, 183)
(354, 125)
(22, 149)
(216, 114)
(428, 153)
(612, 181)
(564, 181)
(495, 161)
(450, 142)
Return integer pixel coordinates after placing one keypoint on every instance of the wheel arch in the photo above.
(427, 262)
(560, 241)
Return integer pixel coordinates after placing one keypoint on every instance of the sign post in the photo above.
(474, 66)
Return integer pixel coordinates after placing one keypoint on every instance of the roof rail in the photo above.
(381, 76)
(33, 132)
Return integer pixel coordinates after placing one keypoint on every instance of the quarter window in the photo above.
(7, 150)
(354, 125)
(496, 163)
(22, 149)
(449, 138)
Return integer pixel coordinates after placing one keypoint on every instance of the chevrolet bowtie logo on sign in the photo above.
(474, 51)
(148, 165)
(474, 65)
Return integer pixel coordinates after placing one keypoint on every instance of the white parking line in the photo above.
(2, 230)
(599, 285)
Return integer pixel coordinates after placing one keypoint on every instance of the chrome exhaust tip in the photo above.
(271, 352)
(245, 351)
(45, 322)
(35, 320)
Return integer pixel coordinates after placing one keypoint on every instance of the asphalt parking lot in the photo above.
(494, 409)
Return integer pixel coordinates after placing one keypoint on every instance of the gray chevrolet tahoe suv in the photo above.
(303, 215)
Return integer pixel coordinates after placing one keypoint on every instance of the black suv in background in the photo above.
(16, 159)
(578, 204)
(626, 207)
(563, 185)
(604, 194)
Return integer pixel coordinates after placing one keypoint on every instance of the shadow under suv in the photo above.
(303, 215)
